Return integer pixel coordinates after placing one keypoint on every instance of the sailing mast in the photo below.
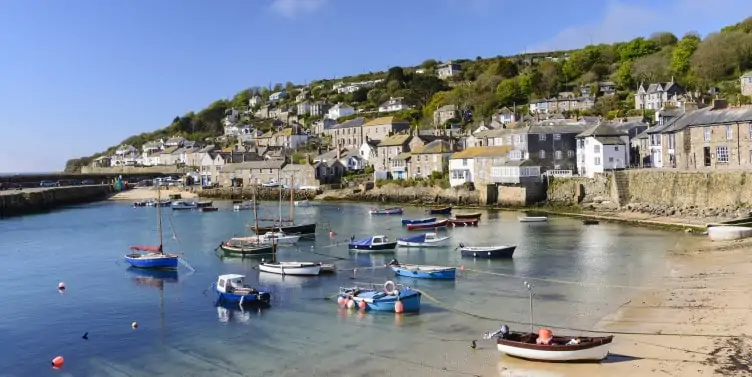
(255, 214)
(280, 187)
(159, 217)
(292, 198)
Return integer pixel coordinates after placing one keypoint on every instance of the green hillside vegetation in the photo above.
(487, 84)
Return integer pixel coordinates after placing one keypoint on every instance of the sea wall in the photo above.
(134, 170)
(262, 193)
(578, 190)
(41, 199)
(394, 193)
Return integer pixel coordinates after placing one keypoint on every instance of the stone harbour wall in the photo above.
(41, 199)
(394, 193)
(262, 193)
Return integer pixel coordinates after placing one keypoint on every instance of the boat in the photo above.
(275, 238)
(392, 298)
(544, 346)
(424, 240)
(203, 203)
(386, 211)
(488, 252)
(455, 222)
(440, 211)
(161, 203)
(231, 289)
(141, 203)
(532, 219)
(240, 206)
(590, 222)
(181, 205)
(288, 226)
(373, 244)
(422, 272)
(418, 221)
(209, 209)
(433, 225)
(291, 268)
(247, 246)
(473, 215)
(153, 257)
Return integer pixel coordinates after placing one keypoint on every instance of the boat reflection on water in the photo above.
(152, 278)
(227, 314)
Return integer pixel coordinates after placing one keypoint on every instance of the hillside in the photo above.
(486, 84)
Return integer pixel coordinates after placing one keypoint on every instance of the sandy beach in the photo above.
(146, 193)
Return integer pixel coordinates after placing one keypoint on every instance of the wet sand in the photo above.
(146, 193)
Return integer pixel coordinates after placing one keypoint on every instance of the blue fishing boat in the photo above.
(231, 289)
(422, 272)
(152, 257)
(440, 211)
(418, 221)
(392, 298)
(386, 211)
(373, 244)
(424, 240)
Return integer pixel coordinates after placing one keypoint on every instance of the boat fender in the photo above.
(389, 284)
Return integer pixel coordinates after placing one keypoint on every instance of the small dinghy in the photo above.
(544, 346)
(392, 298)
(440, 211)
(181, 205)
(291, 268)
(244, 246)
(424, 240)
(473, 215)
(386, 211)
(231, 289)
(433, 225)
(242, 206)
(373, 244)
(422, 272)
(532, 219)
(487, 252)
(141, 203)
(463, 222)
(209, 209)
(203, 203)
(590, 222)
(418, 221)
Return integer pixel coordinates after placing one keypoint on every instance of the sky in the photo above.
(78, 76)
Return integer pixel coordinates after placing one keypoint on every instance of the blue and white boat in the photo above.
(418, 221)
(152, 257)
(383, 300)
(373, 244)
(181, 205)
(231, 289)
(424, 240)
(422, 272)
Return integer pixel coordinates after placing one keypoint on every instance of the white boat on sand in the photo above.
(529, 346)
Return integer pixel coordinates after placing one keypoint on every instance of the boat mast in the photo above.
(159, 217)
(280, 187)
(255, 214)
(292, 198)
(529, 288)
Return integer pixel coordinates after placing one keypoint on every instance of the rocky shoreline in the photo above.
(262, 193)
(727, 212)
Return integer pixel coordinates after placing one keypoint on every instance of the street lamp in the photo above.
(529, 288)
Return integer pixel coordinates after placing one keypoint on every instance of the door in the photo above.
(706, 155)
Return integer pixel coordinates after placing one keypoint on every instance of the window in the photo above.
(610, 159)
(616, 148)
(557, 155)
(270, 171)
(729, 132)
(597, 161)
(721, 155)
(570, 153)
(557, 136)
(542, 154)
(516, 139)
(542, 137)
(596, 148)
(707, 134)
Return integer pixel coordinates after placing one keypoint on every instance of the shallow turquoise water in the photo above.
(304, 333)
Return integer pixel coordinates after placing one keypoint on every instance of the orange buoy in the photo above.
(362, 305)
(399, 307)
(58, 361)
(341, 300)
(134, 324)
(350, 304)
(331, 234)
(61, 286)
(462, 268)
(544, 336)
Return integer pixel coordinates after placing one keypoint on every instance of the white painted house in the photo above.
(304, 108)
(125, 155)
(393, 104)
(602, 148)
(274, 97)
(461, 169)
(255, 100)
(340, 110)
(367, 151)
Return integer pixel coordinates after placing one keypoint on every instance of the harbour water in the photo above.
(577, 272)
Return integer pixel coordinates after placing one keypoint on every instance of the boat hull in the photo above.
(434, 225)
(463, 222)
(260, 298)
(209, 209)
(418, 221)
(390, 211)
(304, 230)
(301, 269)
(505, 252)
(595, 353)
(532, 219)
(385, 247)
(168, 262)
(443, 274)
(247, 250)
(410, 303)
(443, 242)
(467, 215)
(440, 211)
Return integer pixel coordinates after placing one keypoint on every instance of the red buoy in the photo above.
(350, 304)
(399, 307)
(341, 300)
(57, 362)
(362, 305)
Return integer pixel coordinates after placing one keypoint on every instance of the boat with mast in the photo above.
(303, 230)
(153, 257)
(244, 246)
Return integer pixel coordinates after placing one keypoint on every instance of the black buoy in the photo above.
(86, 336)
(473, 345)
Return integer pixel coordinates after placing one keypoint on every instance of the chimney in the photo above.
(718, 104)
(338, 153)
(690, 106)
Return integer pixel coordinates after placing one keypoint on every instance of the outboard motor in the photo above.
(393, 263)
(462, 245)
(504, 332)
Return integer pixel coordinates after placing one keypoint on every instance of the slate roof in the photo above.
(263, 164)
(357, 122)
(602, 129)
(384, 120)
(609, 140)
(708, 116)
(472, 152)
(394, 140)
(436, 146)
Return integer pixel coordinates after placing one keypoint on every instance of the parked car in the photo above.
(87, 182)
(64, 182)
(48, 184)
(10, 186)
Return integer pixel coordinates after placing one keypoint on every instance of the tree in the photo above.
(637, 48)
(580, 61)
(744, 26)
(289, 86)
(509, 91)
(360, 95)
(663, 38)
(680, 57)
(720, 54)
(652, 68)
(437, 100)
(551, 78)
(240, 100)
(623, 75)
(504, 68)
(529, 82)
(392, 86)
(428, 64)
(423, 87)
(376, 96)
(395, 74)
(278, 87)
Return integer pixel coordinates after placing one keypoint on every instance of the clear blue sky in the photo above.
(78, 76)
